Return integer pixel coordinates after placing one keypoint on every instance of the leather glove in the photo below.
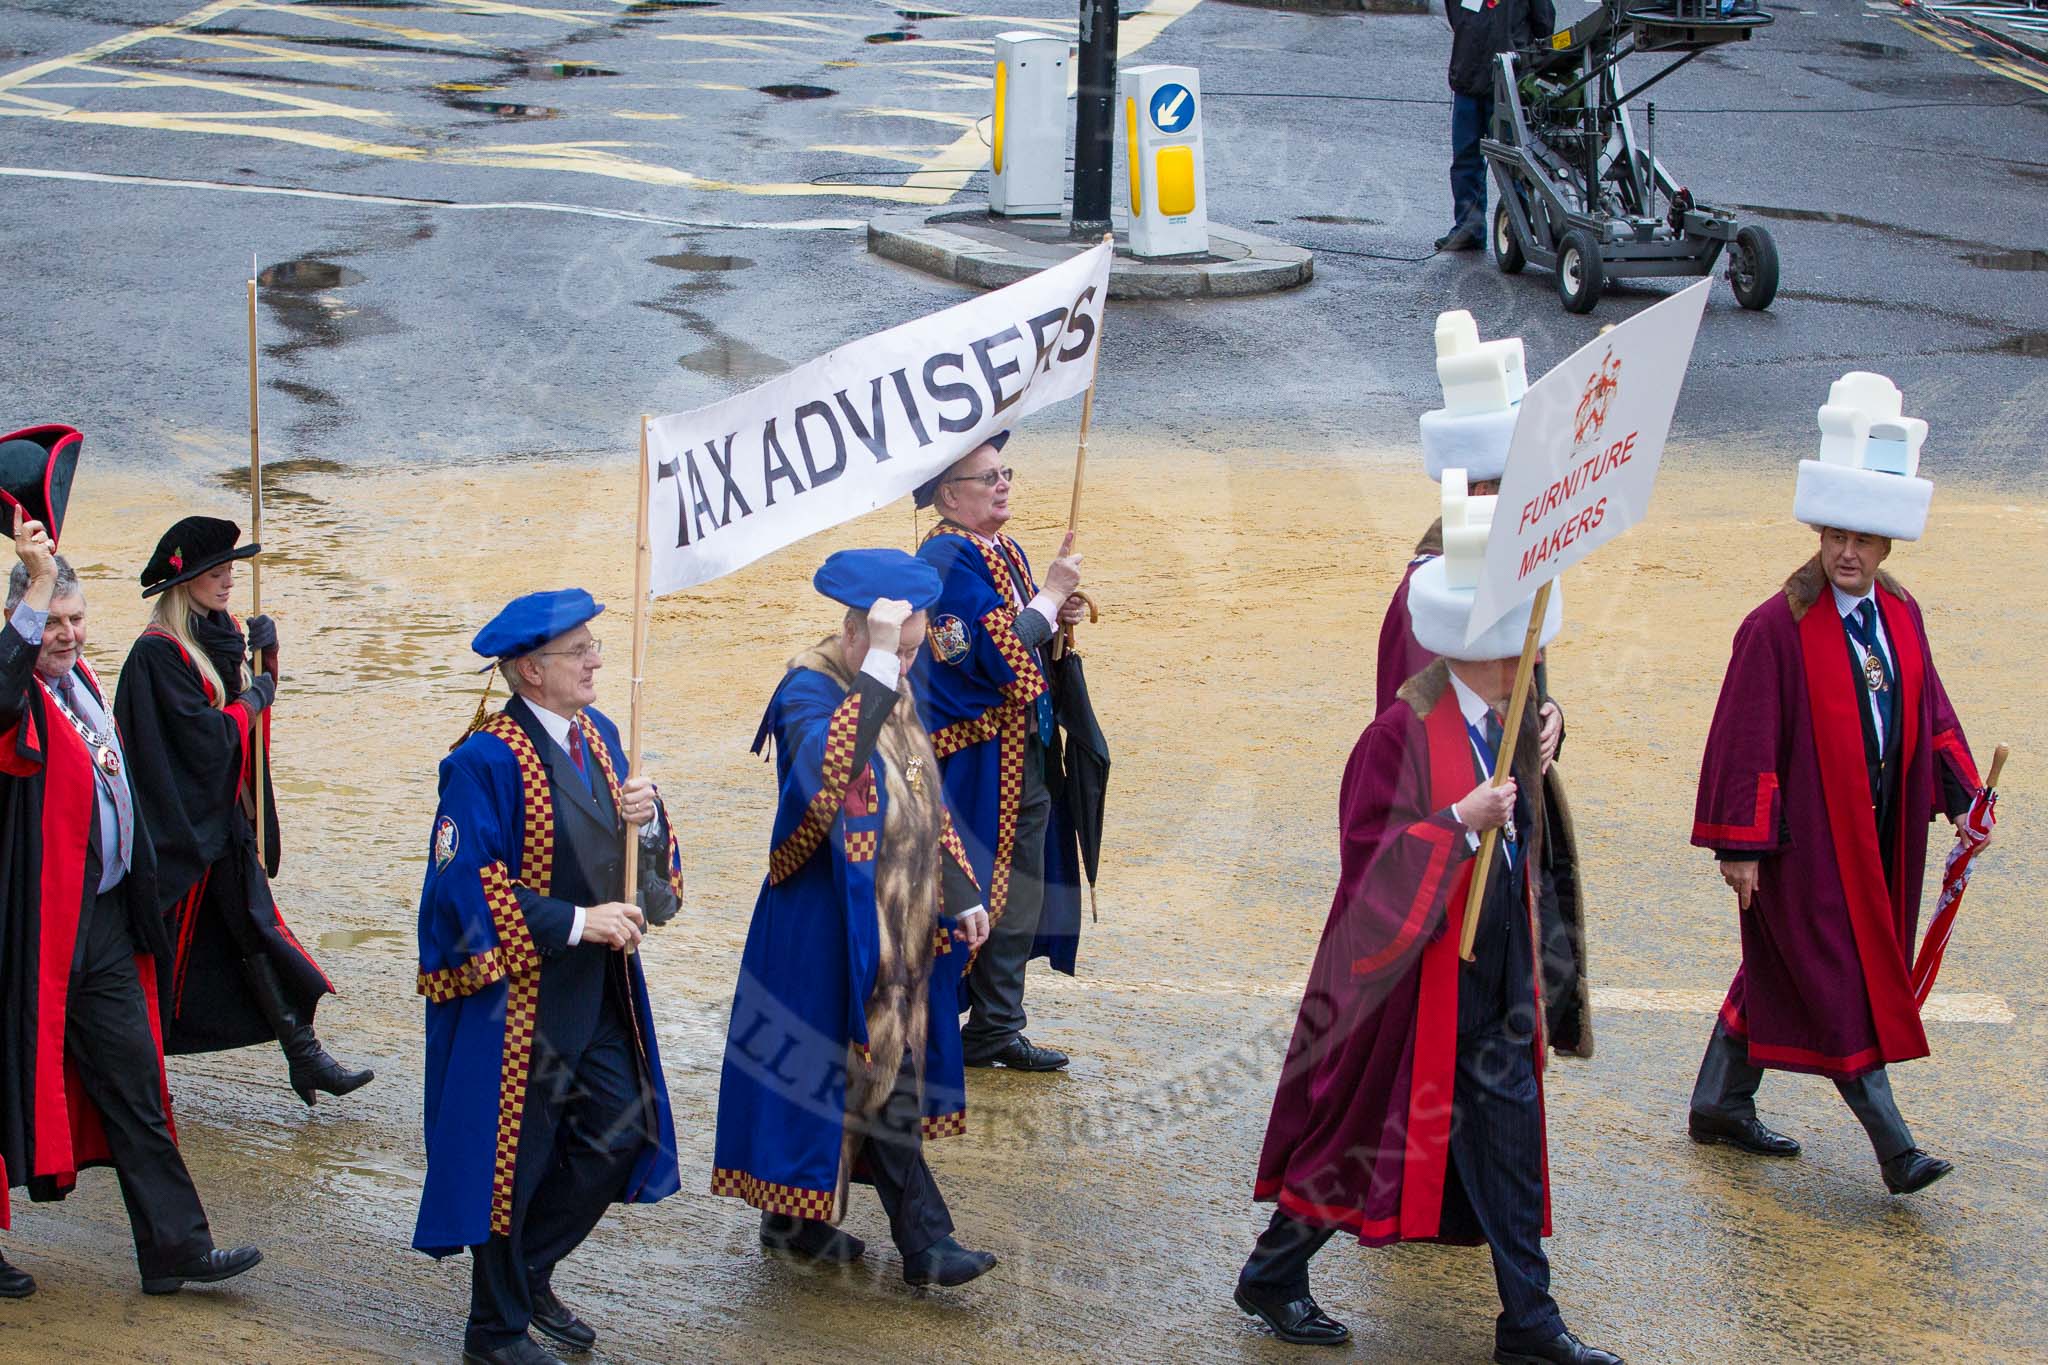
(262, 634)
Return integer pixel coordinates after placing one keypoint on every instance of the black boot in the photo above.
(14, 1282)
(311, 1067)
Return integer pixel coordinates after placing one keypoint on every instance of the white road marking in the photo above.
(529, 206)
(1943, 1007)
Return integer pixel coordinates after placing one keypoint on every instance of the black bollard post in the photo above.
(1094, 121)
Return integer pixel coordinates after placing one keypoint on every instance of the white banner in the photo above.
(1585, 452)
(863, 425)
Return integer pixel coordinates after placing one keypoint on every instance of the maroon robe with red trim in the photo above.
(49, 1130)
(1401, 655)
(1359, 1137)
(1827, 941)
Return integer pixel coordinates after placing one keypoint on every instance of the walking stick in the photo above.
(643, 556)
(259, 769)
(1504, 766)
(1064, 641)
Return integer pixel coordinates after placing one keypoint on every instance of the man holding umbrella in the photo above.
(982, 682)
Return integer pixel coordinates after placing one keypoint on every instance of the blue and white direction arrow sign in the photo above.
(1172, 108)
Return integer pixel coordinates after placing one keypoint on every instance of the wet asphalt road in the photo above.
(1903, 180)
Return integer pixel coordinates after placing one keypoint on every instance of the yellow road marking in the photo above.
(1997, 66)
(418, 35)
(127, 40)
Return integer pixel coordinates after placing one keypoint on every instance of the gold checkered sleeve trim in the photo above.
(949, 841)
(513, 953)
(860, 845)
(965, 734)
(790, 1200)
(793, 852)
(1029, 684)
(945, 1125)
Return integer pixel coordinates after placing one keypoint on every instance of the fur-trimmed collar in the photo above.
(1425, 689)
(823, 657)
(1432, 542)
(1809, 581)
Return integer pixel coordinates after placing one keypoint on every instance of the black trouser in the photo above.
(995, 988)
(108, 1040)
(1727, 1087)
(1497, 1158)
(894, 1151)
(586, 1120)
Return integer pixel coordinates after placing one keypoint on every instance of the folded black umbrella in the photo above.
(1084, 780)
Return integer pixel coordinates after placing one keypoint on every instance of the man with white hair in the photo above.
(1832, 748)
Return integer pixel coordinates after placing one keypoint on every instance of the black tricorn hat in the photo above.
(927, 492)
(189, 549)
(36, 465)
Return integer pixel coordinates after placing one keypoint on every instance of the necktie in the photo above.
(576, 755)
(1488, 743)
(114, 784)
(1862, 625)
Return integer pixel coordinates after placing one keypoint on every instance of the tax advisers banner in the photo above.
(863, 425)
(1585, 452)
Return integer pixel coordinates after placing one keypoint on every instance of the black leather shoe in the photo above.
(553, 1320)
(1021, 1054)
(810, 1239)
(525, 1351)
(946, 1262)
(214, 1266)
(1913, 1170)
(1459, 239)
(1562, 1349)
(15, 1283)
(1301, 1321)
(1748, 1134)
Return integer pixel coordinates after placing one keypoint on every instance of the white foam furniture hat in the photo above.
(1483, 384)
(1440, 593)
(1867, 476)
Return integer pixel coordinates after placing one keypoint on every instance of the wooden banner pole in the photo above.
(1065, 639)
(258, 772)
(1504, 764)
(643, 559)
(1998, 757)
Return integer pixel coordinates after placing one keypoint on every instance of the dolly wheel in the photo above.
(1507, 248)
(1753, 268)
(1579, 276)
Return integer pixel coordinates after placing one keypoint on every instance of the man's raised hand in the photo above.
(33, 548)
(885, 623)
(1487, 807)
(1063, 576)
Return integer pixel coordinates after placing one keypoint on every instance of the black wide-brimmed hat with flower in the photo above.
(36, 467)
(189, 549)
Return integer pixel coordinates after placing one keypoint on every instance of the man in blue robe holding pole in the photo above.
(545, 1102)
(983, 686)
(844, 1050)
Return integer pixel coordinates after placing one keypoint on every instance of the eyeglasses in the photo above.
(589, 651)
(987, 478)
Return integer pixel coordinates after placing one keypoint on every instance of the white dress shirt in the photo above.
(558, 730)
(1046, 604)
(1846, 604)
(1475, 712)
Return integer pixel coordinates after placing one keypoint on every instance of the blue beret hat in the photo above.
(531, 621)
(928, 492)
(860, 578)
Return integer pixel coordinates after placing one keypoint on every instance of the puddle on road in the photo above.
(496, 109)
(798, 92)
(307, 276)
(1884, 52)
(658, 6)
(894, 35)
(1336, 219)
(690, 260)
(914, 15)
(2033, 345)
(1793, 215)
(730, 359)
(2008, 260)
(560, 71)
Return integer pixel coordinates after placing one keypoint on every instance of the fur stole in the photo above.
(1809, 581)
(907, 899)
(1432, 542)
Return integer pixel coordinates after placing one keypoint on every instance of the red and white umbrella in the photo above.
(1973, 831)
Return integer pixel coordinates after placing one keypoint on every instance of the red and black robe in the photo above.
(193, 765)
(49, 1130)
(1827, 941)
(1359, 1137)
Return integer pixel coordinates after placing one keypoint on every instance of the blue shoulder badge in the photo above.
(445, 840)
(949, 638)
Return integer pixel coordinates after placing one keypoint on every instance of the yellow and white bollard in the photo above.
(1162, 108)
(1028, 140)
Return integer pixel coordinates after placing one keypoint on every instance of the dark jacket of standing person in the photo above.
(1496, 26)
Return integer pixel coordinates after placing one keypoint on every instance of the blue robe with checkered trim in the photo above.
(807, 971)
(960, 677)
(468, 961)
